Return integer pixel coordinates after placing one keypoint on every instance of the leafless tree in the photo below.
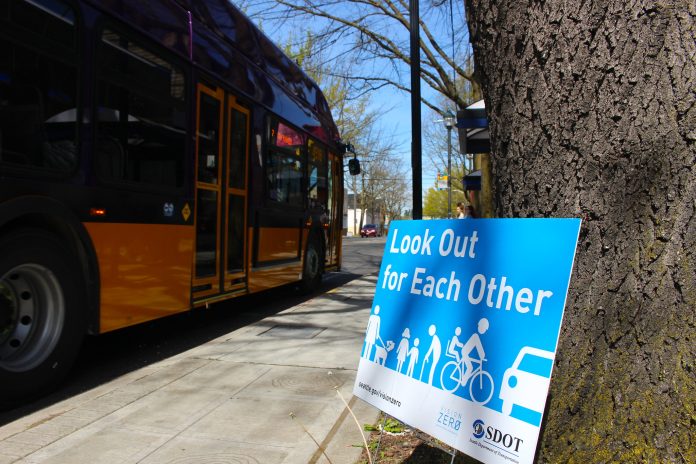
(381, 187)
(375, 34)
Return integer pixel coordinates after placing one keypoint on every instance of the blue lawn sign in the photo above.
(464, 328)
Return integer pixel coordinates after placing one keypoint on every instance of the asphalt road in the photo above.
(115, 354)
(362, 256)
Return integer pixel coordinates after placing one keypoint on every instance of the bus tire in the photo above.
(312, 268)
(42, 307)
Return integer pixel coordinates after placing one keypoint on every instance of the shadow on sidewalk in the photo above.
(109, 356)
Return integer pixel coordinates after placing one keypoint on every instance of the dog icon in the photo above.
(381, 352)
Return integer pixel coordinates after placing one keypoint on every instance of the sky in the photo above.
(394, 103)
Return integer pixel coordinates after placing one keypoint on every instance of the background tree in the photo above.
(381, 187)
(375, 34)
(593, 113)
(365, 46)
(396, 195)
(385, 192)
(435, 148)
(435, 202)
(351, 112)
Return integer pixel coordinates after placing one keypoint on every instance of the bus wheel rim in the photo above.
(312, 262)
(33, 308)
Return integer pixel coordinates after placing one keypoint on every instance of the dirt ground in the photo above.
(400, 444)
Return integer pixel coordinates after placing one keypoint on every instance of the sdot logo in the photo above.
(478, 428)
(507, 440)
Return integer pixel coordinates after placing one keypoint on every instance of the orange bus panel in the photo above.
(144, 278)
(278, 244)
(273, 276)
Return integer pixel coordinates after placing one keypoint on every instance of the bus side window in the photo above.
(317, 182)
(285, 165)
(141, 108)
(111, 158)
(38, 91)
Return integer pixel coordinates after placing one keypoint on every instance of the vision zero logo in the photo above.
(450, 420)
(495, 437)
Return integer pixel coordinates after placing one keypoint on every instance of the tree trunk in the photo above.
(592, 114)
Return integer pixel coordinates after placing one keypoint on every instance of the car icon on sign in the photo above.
(526, 382)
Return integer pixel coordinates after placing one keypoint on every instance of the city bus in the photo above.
(155, 157)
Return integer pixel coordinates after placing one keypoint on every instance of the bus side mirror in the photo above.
(354, 167)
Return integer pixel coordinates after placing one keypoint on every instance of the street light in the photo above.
(450, 122)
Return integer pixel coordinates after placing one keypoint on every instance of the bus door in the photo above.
(235, 262)
(335, 208)
(221, 192)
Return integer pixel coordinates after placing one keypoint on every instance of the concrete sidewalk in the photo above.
(227, 401)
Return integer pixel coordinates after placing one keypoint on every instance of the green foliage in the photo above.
(393, 426)
(435, 202)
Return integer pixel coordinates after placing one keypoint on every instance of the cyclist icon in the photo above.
(458, 372)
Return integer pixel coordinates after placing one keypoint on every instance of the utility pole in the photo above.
(416, 148)
(355, 205)
(449, 123)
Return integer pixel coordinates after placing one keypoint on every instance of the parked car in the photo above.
(369, 230)
(526, 382)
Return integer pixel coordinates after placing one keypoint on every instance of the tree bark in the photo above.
(592, 114)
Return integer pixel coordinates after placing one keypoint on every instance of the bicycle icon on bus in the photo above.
(460, 371)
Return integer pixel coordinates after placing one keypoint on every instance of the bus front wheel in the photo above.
(41, 314)
(312, 268)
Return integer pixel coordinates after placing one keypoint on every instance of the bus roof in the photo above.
(227, 44)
